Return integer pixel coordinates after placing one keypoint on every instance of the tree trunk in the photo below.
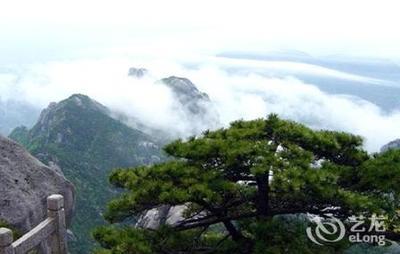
(263, 195)
(236, 235)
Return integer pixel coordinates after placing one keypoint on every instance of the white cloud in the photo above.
(234, 95)
(254, 96)
(294, 68)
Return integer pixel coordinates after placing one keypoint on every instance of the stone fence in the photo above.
(50, 235)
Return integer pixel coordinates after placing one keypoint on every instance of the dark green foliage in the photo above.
(240, 185)
(382, 173)
(79, 135)
(285, 234)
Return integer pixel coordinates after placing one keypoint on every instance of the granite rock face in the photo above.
(25, 183)
(164, 215)
(395, 144)
(188, 95)
(195, 105)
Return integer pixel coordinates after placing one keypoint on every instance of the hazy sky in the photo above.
(49, 29)
(51, 49)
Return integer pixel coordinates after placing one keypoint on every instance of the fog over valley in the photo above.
(320, 92)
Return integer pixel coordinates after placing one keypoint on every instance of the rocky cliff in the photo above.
(395, 144)
(193, 107)
(188, 94)
(164, 215)
(25, 184)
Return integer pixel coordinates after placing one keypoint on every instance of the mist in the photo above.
(234, 96)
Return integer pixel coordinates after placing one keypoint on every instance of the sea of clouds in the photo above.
(233, 95)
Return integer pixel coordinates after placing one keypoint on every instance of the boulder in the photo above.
(25, 183)
(154, 218)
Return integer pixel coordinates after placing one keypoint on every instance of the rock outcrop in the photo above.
(395, 144)
(188, 95)
(25, 184)
(137, 72)
(196, 106)
(154, 218)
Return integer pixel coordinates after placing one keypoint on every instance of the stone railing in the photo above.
(50, 235)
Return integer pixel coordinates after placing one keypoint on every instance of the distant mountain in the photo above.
(80, 136)
(188, 95)
(137, 72)
(395, 144)
(195, 107)
(14, 113)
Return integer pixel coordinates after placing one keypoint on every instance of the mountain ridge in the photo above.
(80, 136)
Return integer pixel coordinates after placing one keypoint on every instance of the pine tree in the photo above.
(246, 188)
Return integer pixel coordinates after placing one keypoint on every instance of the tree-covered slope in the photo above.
(79, 135)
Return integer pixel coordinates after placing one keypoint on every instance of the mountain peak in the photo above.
(74, 104)
(79, 135)
(83, 101)
(78, 96)
(137, 72)
(183, 87)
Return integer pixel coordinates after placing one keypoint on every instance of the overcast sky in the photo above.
(57, 48)
(49, 29)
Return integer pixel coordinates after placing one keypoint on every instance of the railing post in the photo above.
(55, 209)
(6, 240)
